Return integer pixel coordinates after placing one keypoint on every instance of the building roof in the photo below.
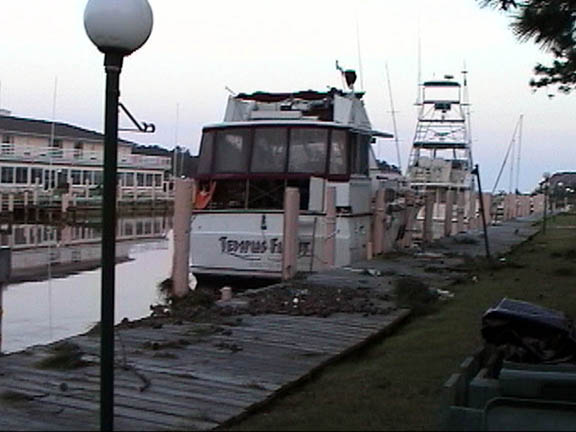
(26, 126)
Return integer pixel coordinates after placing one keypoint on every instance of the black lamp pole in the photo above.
(113, 67)
(117, 28)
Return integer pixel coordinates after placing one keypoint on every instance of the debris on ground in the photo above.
(523, 332)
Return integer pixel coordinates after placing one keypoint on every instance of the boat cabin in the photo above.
(270, 141)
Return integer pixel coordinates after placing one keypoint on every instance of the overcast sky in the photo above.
(197, 48)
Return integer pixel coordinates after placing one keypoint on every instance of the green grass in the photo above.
(396, 383)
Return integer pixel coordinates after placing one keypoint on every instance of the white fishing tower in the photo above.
(441, 155)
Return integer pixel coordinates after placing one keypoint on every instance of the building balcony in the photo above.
(77, 157)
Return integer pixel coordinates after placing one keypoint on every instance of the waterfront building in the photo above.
(52, 156)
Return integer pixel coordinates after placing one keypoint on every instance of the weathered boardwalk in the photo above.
(188, 376)
(194, 376)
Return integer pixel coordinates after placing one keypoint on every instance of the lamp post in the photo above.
(546, 183)
(117, 28)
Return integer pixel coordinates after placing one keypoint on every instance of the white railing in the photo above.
(77, 156)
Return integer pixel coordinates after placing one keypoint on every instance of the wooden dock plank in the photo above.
(222, 373)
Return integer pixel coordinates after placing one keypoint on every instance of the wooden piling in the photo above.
(330, 227)
(410, 214)
(290, 233)
(183, 204)
(472, 210)
(379, 222)
(448, 213)
(427, 230)
(460, 210)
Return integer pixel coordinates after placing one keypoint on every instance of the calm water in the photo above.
(56, 308)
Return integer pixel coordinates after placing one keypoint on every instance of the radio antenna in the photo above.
(393, 112)
(360, 69)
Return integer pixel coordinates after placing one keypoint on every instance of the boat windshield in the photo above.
(282, 152)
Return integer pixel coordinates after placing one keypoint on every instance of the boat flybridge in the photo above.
(308, 140)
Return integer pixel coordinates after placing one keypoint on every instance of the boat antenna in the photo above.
(419, 60)
(394, 125)
(176, 149)
(339, 69)
(521, 121)
(360, 69)
(467, 111)
(229, 90)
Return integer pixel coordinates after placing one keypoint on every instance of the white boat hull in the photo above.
(249, 243)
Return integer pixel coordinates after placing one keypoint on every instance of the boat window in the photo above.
(269, 154)
(140, 179)
(232, 150)
(359, 154)
(308, 150)
(206, 151)
(338, 154)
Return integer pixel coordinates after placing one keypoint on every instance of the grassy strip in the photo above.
(396, 384)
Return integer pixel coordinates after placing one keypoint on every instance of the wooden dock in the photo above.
(182, 376)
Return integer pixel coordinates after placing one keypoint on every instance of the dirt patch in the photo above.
(63, 356)
(295, 298)
(414, 293)
(301, 298)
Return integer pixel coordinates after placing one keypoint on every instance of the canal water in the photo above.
(59, 290)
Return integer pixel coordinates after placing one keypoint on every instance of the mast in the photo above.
(521, 121)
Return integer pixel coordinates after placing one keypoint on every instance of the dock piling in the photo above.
(183, 205)
(290, 233)
(330, 234)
